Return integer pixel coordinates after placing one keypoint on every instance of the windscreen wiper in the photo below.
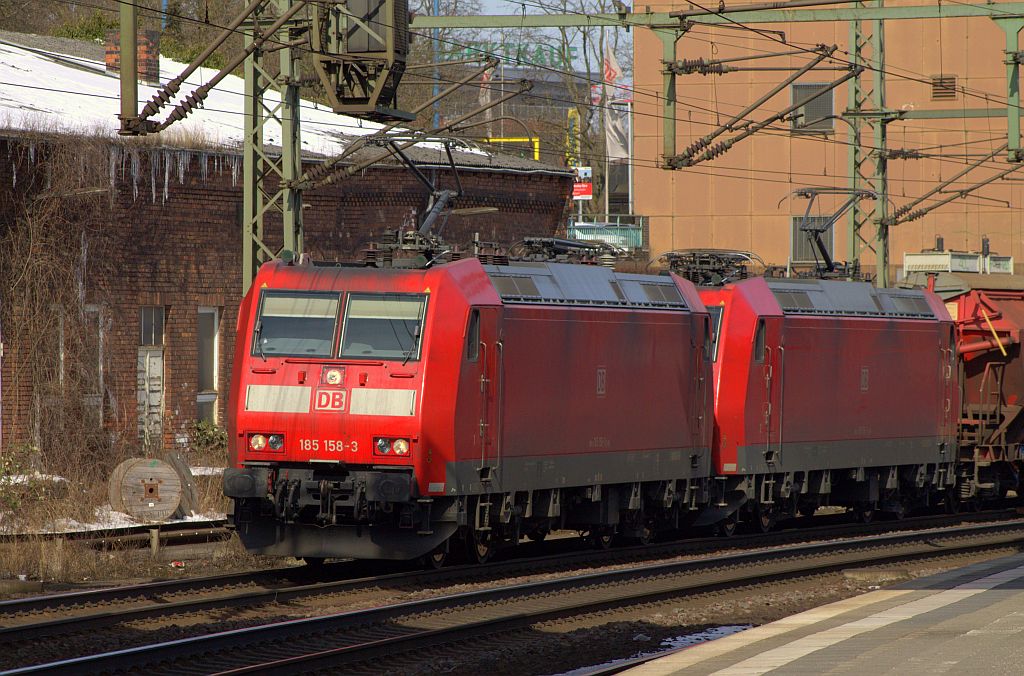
(412, 348)
(258, 333)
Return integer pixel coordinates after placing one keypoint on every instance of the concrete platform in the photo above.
(967, 621)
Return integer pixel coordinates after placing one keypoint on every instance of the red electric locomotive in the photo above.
(389, 413)
(830, 393)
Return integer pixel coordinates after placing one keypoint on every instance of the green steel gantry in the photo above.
(869, 221)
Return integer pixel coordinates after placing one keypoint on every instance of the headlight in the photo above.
(400, 447)
(332, 376)
(383, 446)
(257, 442)
(276, 441)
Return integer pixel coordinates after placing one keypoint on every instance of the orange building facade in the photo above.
(743, 198)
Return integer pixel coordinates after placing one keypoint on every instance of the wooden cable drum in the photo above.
(145, 488)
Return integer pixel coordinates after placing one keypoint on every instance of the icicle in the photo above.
(167, 172)
(154, 164)
(184, 159)
(113, 170)
(135, 174)
(203, 158)
(234, 170)
(32, 153)
(14, 174)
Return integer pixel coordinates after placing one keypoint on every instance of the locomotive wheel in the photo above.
(727, 526)
(601, 538)
(765, 520)
(479, 547)
(807, 511)
(864, 513)
(436, 559)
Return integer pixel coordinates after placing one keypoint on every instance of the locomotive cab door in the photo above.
(488, 376)
(770, 353)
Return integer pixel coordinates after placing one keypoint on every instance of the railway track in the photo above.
(361, 635)
(86, 610)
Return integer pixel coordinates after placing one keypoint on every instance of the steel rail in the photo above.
(153, 596)
(356, 636)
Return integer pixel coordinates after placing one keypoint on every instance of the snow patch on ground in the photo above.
(22, 479)
(667, 645)
(105, 519)
(207, 471)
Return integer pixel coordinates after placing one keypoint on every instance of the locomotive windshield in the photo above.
(383, 326)
(296, 324)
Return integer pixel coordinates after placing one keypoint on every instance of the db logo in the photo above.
(329, 400)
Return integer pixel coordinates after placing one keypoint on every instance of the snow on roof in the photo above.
(62, 86)
(44, 90)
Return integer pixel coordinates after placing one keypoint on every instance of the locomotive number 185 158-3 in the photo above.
(328, 445)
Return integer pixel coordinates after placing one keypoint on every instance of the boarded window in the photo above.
(814, 117)
(151, 325)
(943, 87)
(803, 250)
(206, 395)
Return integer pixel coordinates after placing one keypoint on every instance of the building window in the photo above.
(943, 87)
(92, 360)
(151, 325)
(803, 251)
(206, 395)
(815, 117)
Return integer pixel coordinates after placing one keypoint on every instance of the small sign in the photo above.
(583, 191)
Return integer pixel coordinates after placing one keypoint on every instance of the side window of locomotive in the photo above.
(296, 324)
(759, 342)
(716, 328)
(473, 336)
(383, 326)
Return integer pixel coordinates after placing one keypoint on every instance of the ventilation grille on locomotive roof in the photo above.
(882, 304)
(515, 286)
(911, 305)
(662, 293)
(790, 300)
(587, 289)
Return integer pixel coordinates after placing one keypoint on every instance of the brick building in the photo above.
(120, 267)
(158, 256)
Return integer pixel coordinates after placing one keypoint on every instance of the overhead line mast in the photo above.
(867, 113)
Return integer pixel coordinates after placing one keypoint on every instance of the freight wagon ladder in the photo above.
(985, 424)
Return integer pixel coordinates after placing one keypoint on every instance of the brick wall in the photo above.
(148, 54)
(169, 235)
